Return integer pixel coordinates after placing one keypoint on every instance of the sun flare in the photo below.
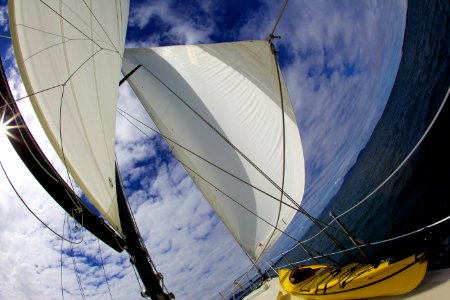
(4, 124)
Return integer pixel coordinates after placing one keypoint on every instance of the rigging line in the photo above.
(382, 241)
(241, 205)
(80, 66)
(300, 209)
(76, 203)
(138, 280)
(5, 36)
(101, 118)
(36, 160)
(222, 136)
(33, 94)
(184, 165)
(218, 189)
(58, 35)
(37, 29)
(57, 85)
(55, 45)
(122, 112)
(79, 209)
(103, 267)
(89, 25)
(74, 262)
(76, 28)
(398, 167)
(34, 214)
(8, 105)
(61, 259)
(278, 20)
(103, 29)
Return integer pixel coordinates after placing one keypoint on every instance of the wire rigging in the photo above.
(224, 138)
(271, 35)
(61, 257)
(103, 267)
(122, 113)
(33, 213)
(74, 262)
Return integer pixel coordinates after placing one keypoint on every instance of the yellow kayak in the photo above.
(355, 280)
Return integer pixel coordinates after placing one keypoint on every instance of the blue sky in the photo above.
(339, 60)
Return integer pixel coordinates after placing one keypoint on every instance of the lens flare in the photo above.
(4, 124)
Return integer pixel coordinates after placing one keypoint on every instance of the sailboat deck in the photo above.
(435, 285)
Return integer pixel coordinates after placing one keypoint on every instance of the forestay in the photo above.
(222, 102)
(69, 54)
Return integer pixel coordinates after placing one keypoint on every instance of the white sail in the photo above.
(69, 54)
(222, 102)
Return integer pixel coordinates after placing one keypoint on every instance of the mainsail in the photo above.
(225, 111)
(69, 54)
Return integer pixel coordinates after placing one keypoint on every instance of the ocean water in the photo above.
(418, 193)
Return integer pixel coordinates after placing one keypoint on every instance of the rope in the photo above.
(74, 262)
(218, 189)
(104, 271)
(223, 137)
(61, 259)
(31, 211)
(123, 113)
(137, 279)
(5, 36)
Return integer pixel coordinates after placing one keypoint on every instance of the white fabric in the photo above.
(69, 55)
(235, 88)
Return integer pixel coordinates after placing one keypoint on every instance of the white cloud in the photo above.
(182, 28)
(4, 18)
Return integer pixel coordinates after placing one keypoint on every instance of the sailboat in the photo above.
(223, 109)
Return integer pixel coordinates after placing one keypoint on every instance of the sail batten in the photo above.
(69, 54)
(222, 102)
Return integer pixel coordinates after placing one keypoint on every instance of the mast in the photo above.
(139, 255)
(38, 164)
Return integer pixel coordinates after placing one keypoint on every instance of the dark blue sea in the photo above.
(418, 194)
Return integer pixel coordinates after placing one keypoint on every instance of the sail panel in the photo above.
(69, 54)
(222, 103)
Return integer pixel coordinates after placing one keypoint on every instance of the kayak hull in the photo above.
(355, 280)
